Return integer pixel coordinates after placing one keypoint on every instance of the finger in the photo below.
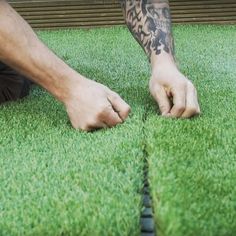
(112, 118)
(88, 126)
(162, 99)
(93, 127)
(192, 106)
(119, 105)
(179, 101)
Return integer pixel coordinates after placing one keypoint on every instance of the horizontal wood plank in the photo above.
(95, 13)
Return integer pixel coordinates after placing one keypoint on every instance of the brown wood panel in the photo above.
(96, 13)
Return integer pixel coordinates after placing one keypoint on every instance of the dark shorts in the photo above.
(13, 86)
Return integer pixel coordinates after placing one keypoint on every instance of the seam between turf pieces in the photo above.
(147, 222)
(147, 215)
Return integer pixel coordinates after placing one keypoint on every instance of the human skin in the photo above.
(150, 23)
(89, 105)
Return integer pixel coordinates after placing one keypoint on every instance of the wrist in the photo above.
(64, 85)
(164, 60)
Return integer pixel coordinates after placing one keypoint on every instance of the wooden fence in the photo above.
(94, 13)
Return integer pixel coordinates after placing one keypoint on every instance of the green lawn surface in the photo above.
(55, 180)
(58, 181)
(192, 163)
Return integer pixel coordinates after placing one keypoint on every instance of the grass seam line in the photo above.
(147, 222)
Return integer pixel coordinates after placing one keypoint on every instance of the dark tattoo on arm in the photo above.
(150, 23)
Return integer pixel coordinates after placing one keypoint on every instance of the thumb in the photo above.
(119, 105)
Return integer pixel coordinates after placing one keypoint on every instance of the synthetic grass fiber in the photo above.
(58, 181)
(192, 163)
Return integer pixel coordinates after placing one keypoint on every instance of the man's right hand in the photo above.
(174, 93)
(91, 106)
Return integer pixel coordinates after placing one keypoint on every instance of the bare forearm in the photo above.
(150, 23)
(21, 49)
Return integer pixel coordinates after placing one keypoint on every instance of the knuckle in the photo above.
(74, 123)
(111, 123)
(102, 111)
(182, 84)
(191, 86)
(92, 123)
(85, 128)
(157, 92)
(162, 107)
(189, 82)
(192, 110)
(124, 113)
(75, 126)
(89, 125)
(198, 111)
(180, 108)
(128, 109)
(115, 96)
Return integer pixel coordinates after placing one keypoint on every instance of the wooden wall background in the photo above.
(94, 13)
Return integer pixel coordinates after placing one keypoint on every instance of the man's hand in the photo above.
(89, 105)
(174, 93)
(150, 24)
(92, 106)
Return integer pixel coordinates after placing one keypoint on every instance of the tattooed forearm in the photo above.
(150, 23)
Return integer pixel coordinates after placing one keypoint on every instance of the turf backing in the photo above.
(192, 163)
(58, 181)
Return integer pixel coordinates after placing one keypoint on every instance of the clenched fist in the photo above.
(174, 93)
(92, 106)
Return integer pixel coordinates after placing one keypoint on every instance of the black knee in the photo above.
(13, 86)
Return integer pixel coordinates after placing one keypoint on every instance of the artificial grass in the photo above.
(192, 163)
(55, 180)
(58, 181)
